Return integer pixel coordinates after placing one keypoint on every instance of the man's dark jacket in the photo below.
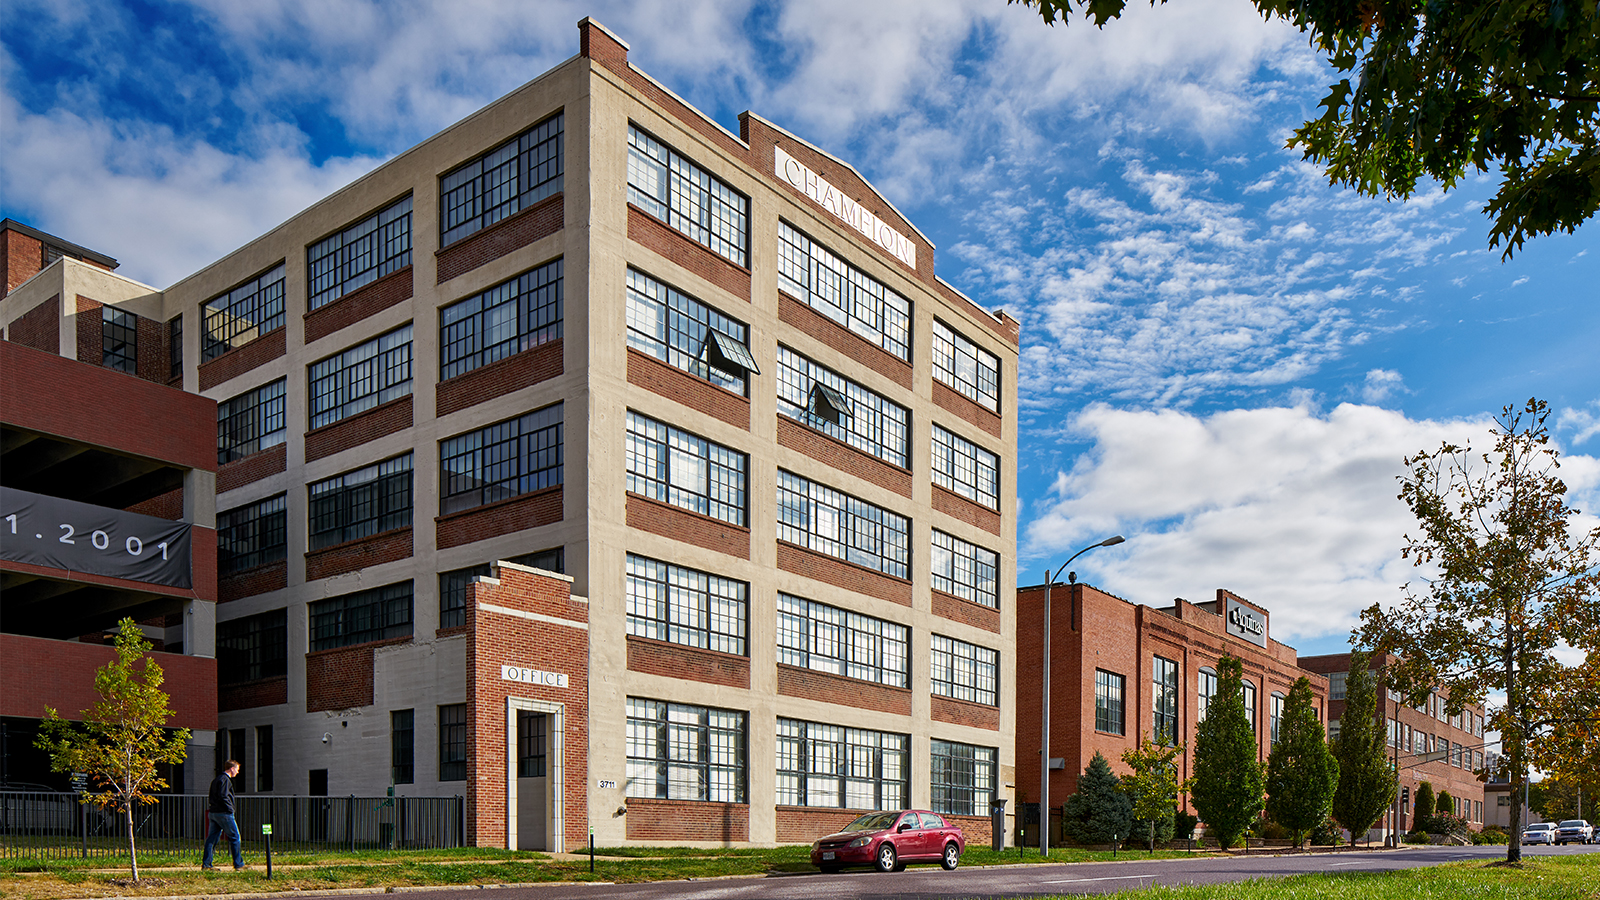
(222, 794)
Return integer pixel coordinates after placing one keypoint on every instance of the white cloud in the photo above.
(1583, 423)
(1381, 384)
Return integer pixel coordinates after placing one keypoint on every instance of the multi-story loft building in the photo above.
(107, 499)
(1427, 742)
(1120, 672)
(612, 470)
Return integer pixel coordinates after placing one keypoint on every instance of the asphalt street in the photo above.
(932, 883)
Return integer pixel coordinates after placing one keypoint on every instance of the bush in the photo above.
(1183, 826)
(1328, 834)
(1140, 835)
(1492, 834)
(1098, 812)
(1416, 837)
(1268, 830)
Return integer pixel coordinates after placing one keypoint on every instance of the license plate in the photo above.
(828, 855)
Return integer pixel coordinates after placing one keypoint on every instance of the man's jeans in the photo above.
(223, 823)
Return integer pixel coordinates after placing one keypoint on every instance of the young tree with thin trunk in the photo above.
(1228, 785)
(123, 737)
(1367, 781)
(1152, 783)
(1302, 774)
(1505, 584)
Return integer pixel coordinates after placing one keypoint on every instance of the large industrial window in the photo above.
(252, 535)
(971, 370)
(686, 471)
(359, 255)
(963, 467)
(453, 742)
(264, 758)
(680, 752)
(361, 503)
(251, 422)
(373, 615)
(688, 198)
(511, 177)
(453, 585)
(962, 778)
(829, 639)
(834, 523)
(501, 461)
(119, 340)
(964, 671)
(1208, 689)
(1108, 702)
(838, 407)
(1276, 714)
(402, 746)
(842, 292)
(966, 570)
(1250, 702)
(686, 334)
(241, 315)
(508, 318)
(839, 767)
(1336, 685)
(686, 606)
(251, 648)
(360, 378)
(1164, 692)
(532, 741)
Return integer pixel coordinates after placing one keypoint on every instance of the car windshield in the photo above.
(1573, 823)
(872, 822)
(1542, 826)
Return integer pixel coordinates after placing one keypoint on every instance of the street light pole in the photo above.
(1044, 733)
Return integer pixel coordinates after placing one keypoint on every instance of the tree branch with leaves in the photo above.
(1152, 783)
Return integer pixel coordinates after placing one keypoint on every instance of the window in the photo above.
(686, 606)
(119, 340)
(964, 671)
(1107, 702)
(402, 746)
(834, 766)
(453, 585)
(362, 503)
(1164, 693)
(966, 570)
(237, 751)
(1477, 760)
(965, 468)
(360, 378)
(680, 752)
(359, 255)
(687, 197)
(842, 292)
(235, 318)
(250, 422)
(962, 781)
(253, 647)
(374, 615)
(689, 472)
(511, 177)
(501, 461)
(1208, 689)
(175, 347)
(686, 334)
(1455, 754)
(1336, 685)
(264, 758)
(1275, 714)
(971, 370)
(838, 407)
(834, 523)
(828, 639)
(1249, 689)
(252, 535)
(506, 319)
(1333, 730)
(531, 743)
(453, 742)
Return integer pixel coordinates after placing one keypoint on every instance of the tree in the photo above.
(1561, 794)
(1423, 804)
(1099, 812)
(122, 738)
(1445, 805)
(1153, 785)
(1444, 88)
(1503, 584)
(1302, 774)
(1367, 781)
(1228, 779)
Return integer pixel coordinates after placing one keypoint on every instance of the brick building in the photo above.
(1427, 742)
(1121, 670)
(613, 470)
(106, 489)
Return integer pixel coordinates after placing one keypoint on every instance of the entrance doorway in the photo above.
(534, 782)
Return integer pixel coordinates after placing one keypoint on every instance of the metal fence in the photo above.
(57, 826)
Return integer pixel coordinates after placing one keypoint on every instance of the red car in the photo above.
(889, 840)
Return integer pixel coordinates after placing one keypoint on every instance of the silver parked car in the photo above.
(1539, 833)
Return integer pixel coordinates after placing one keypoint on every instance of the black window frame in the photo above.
(950, 348)
(253, 648)
(119, 339)
(402, 746)
(253, 421)
(870, 536)
(484, 474)
(1164, 701)
(175, 347)
(515, 175)
(473, 332)
(691, 201)
(951, 658)
(452, 742)
(864, 646)
(453, 584)
(857, 761)
(676, 328)
(870, 422)
(243, 313)
(961, 777)
(362, 617)
(964, 576)
(360, 503)
(870, 309)
(659, 733)
(1110, 702)
(359, 378)
(264, 759)
(253, 534)
(533, 729)
(654, 608)
(965, 468)
(359, 254)
(653, 451)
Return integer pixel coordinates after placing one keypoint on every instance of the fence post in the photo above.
(83, 825)
(461, 822)
(350, 822)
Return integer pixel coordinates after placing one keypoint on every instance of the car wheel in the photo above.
(952, 857)
(887, 859)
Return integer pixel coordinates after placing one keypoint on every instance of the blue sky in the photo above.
(1224, 358)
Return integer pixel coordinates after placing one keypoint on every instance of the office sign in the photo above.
(847, 210)
(1244, 622)
(82, 537)
(533, 676)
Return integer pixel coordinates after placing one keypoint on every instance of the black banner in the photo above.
(81, 537)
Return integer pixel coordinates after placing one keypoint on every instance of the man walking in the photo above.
(221, 817)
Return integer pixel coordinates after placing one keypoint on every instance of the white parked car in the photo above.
(1539, 833)
(1574, 831)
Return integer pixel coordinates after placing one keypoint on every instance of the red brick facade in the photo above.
(655, 657)
(687, 820)
(341, 678)
(502, 376)
(40, 327)
(691, 528)
(648, 231)
(91, 341)
(165, 506)
(253, 694)
(953, 402)
(949, 606)
(842, 456)
(837, 572)
(370, 299)
(799, 315)
(958, 507)
(965, 712)
(39, 672)
(830, 688)
(494, 519)
(240, 472)
(262, 579)
(360, 428)
(651, 374)
(352, 556)
(240, 360)
(537, 221)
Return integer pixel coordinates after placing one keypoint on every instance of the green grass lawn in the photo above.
(1541, 878)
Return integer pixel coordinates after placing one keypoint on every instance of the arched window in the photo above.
(1208, 689)
(1277, 713)
(1250, 702)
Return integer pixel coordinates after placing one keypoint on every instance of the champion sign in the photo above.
(1243, 622)
(533, 676)
(852, 213)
